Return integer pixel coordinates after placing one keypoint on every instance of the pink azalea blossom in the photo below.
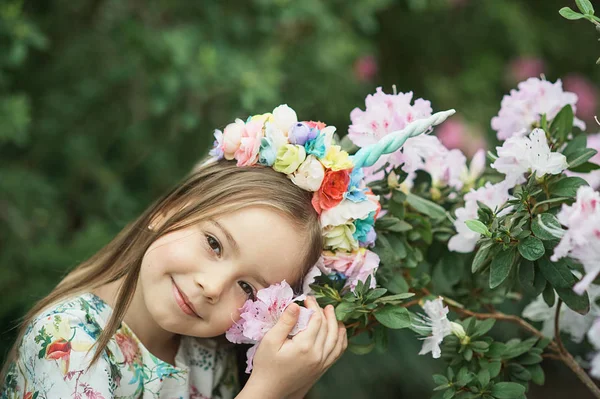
(383, 114)
(582, 239)
(365, 68)
(356, 266)
(587, 93)
(519, 155)
(525, 67)
(492, 195)
(259, 316)
(247, 153)
(523, 108)
(593, 177)
(446, 170)
(455, 133)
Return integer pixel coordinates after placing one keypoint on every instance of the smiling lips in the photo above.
(182, 301)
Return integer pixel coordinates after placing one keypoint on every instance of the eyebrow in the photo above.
(236, 248)
(227, 235)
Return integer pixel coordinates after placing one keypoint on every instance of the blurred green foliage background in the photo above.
(105, 104)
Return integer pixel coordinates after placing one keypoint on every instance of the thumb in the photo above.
(280, 331)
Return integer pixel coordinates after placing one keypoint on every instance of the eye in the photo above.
(247, 288)
(214, 245)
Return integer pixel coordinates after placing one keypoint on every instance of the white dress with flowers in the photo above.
(53, 361)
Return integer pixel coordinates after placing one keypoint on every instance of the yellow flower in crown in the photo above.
(268, 117)
(337, 159)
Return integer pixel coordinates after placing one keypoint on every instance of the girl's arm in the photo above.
(288, 368)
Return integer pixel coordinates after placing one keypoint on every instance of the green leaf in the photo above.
(557, 273)
(344, 309)
(426, 207)
(494, 368)
(483, 377)
(550, 221)
(578, 142)
(478, 227)
(562, 124)
(394, 224)
(585, 168)
(375, 293)
(585, 6)
(567, 186)
(537, 374)
(501, 266)
(394, 298)
(580, 157)
(361, 349)
(530, 359)
(482, 327)
(515, 348)
(507, 390)
(439, 379)
(531, 248)
(548, 295)
(567, 13)
(481, 256)
(578, 303)
(394, 317)
(397, 284)
(496, 350)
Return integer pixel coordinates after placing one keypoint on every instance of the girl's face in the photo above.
(193, 281)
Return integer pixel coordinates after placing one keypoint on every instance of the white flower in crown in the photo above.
(519, 155)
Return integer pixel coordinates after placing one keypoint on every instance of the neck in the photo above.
(161, 343)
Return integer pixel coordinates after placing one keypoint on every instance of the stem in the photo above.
(568, 359)
(561, 347)
(510, 318)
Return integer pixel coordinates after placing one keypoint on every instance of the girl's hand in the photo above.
(286, 367)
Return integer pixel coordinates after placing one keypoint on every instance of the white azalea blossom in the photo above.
(436, 323)
(492, 195)
(582, 239)
(593, 336)
(571, 322)
(519, 155)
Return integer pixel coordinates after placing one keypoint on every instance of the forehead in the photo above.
(270, 245)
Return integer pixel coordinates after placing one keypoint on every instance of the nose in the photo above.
(212, 286)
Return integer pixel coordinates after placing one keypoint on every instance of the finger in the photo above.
(332, 330)
(314, 324)
(340, 347)
(278, 334)
(322, 334)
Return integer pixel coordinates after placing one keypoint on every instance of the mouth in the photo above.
(183, 302)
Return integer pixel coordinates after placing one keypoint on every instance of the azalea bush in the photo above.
(524, 227)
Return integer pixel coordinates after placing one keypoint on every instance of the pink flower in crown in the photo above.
(247, 153)
(383, 114)
(582, 239)
(523, 108)
(232, 138)
(356, 266)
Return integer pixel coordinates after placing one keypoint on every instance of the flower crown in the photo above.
(305, 151)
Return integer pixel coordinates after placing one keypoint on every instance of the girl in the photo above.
(142, 317)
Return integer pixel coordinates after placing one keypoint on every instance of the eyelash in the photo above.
(218, 251)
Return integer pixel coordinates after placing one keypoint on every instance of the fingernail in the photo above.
(293, 309)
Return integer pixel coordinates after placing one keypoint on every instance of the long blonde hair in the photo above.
(210, 191)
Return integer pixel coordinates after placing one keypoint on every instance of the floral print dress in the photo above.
(55, 353)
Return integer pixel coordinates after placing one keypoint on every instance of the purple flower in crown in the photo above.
(217, 150)
(300, 133)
